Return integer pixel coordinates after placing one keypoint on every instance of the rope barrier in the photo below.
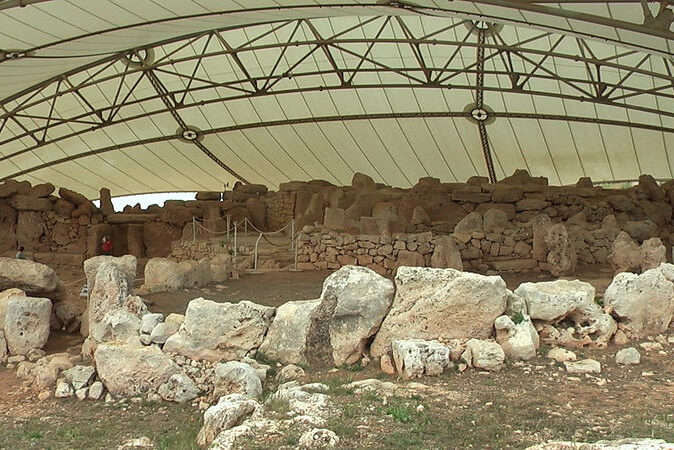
(197, 225)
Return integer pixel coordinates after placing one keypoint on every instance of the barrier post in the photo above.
(256, 244)
(235, 249)
(194, 230)
(292, 234)
(228, 221)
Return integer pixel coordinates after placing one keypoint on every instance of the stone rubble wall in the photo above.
(70, 226)
(184, 250)
(509, 250)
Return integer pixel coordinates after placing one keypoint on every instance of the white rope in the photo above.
(218, 232)
(267, 232)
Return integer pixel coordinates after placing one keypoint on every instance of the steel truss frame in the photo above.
(36, 114)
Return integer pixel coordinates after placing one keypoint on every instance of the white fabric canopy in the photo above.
(149, 96)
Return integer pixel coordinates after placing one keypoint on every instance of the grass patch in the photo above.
(278, 405)
(354, 367)
(518, 317)
(337, 385)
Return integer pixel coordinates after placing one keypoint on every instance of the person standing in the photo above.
(106, 246)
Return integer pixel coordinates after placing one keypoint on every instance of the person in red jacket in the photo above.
(106, 246)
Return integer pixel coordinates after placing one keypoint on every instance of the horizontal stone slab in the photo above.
(122, 218)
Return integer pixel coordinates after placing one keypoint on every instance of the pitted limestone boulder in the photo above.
(353, 304)
(644, 304)
(221, 331)
(441, 304)
(286, 340)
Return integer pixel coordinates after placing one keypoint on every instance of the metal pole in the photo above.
(228, 222)
(235, 249)
(292, 234)
(296, 254)
(194, 229)
(245, 226)
(256, 244)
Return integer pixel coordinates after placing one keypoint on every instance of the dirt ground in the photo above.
(269, 288)
(524, 404)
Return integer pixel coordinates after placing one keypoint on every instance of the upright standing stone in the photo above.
(27, 323)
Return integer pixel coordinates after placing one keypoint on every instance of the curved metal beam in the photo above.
(319, 89)
(347, 118)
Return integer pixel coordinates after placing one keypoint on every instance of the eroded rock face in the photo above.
(128, 370)
(237, 377)
(441, 304)
(126, 264)
(472, 222)
(518, 341)
(163, 275)
(415, 358)
(179, 388)
(554, 301)
(220, 331)
(625, 254)
(110, 291)
(32, 277)
(482, 354)
(446, 254)
(643, 303)
(562, 256)
(229, 412)
(653, 253)
(286, 340)
(353, 304)
(26, 323)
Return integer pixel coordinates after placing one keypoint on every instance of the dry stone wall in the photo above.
(496, 226)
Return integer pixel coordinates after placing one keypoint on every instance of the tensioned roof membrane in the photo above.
(150, 96)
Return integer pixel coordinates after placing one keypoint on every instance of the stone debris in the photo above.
(305, 399)
(628, 356)
(290, 372)
(96, 390)
(583, 366)
(237, 377)
(319, 438)
(415, 358)
(141, 443)
(483, 355)
(551, 302)
(561, 355)
(79, 376)
(230, 411)
(651, 346)
(63, 389)
(622, 444)
(518, 341)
